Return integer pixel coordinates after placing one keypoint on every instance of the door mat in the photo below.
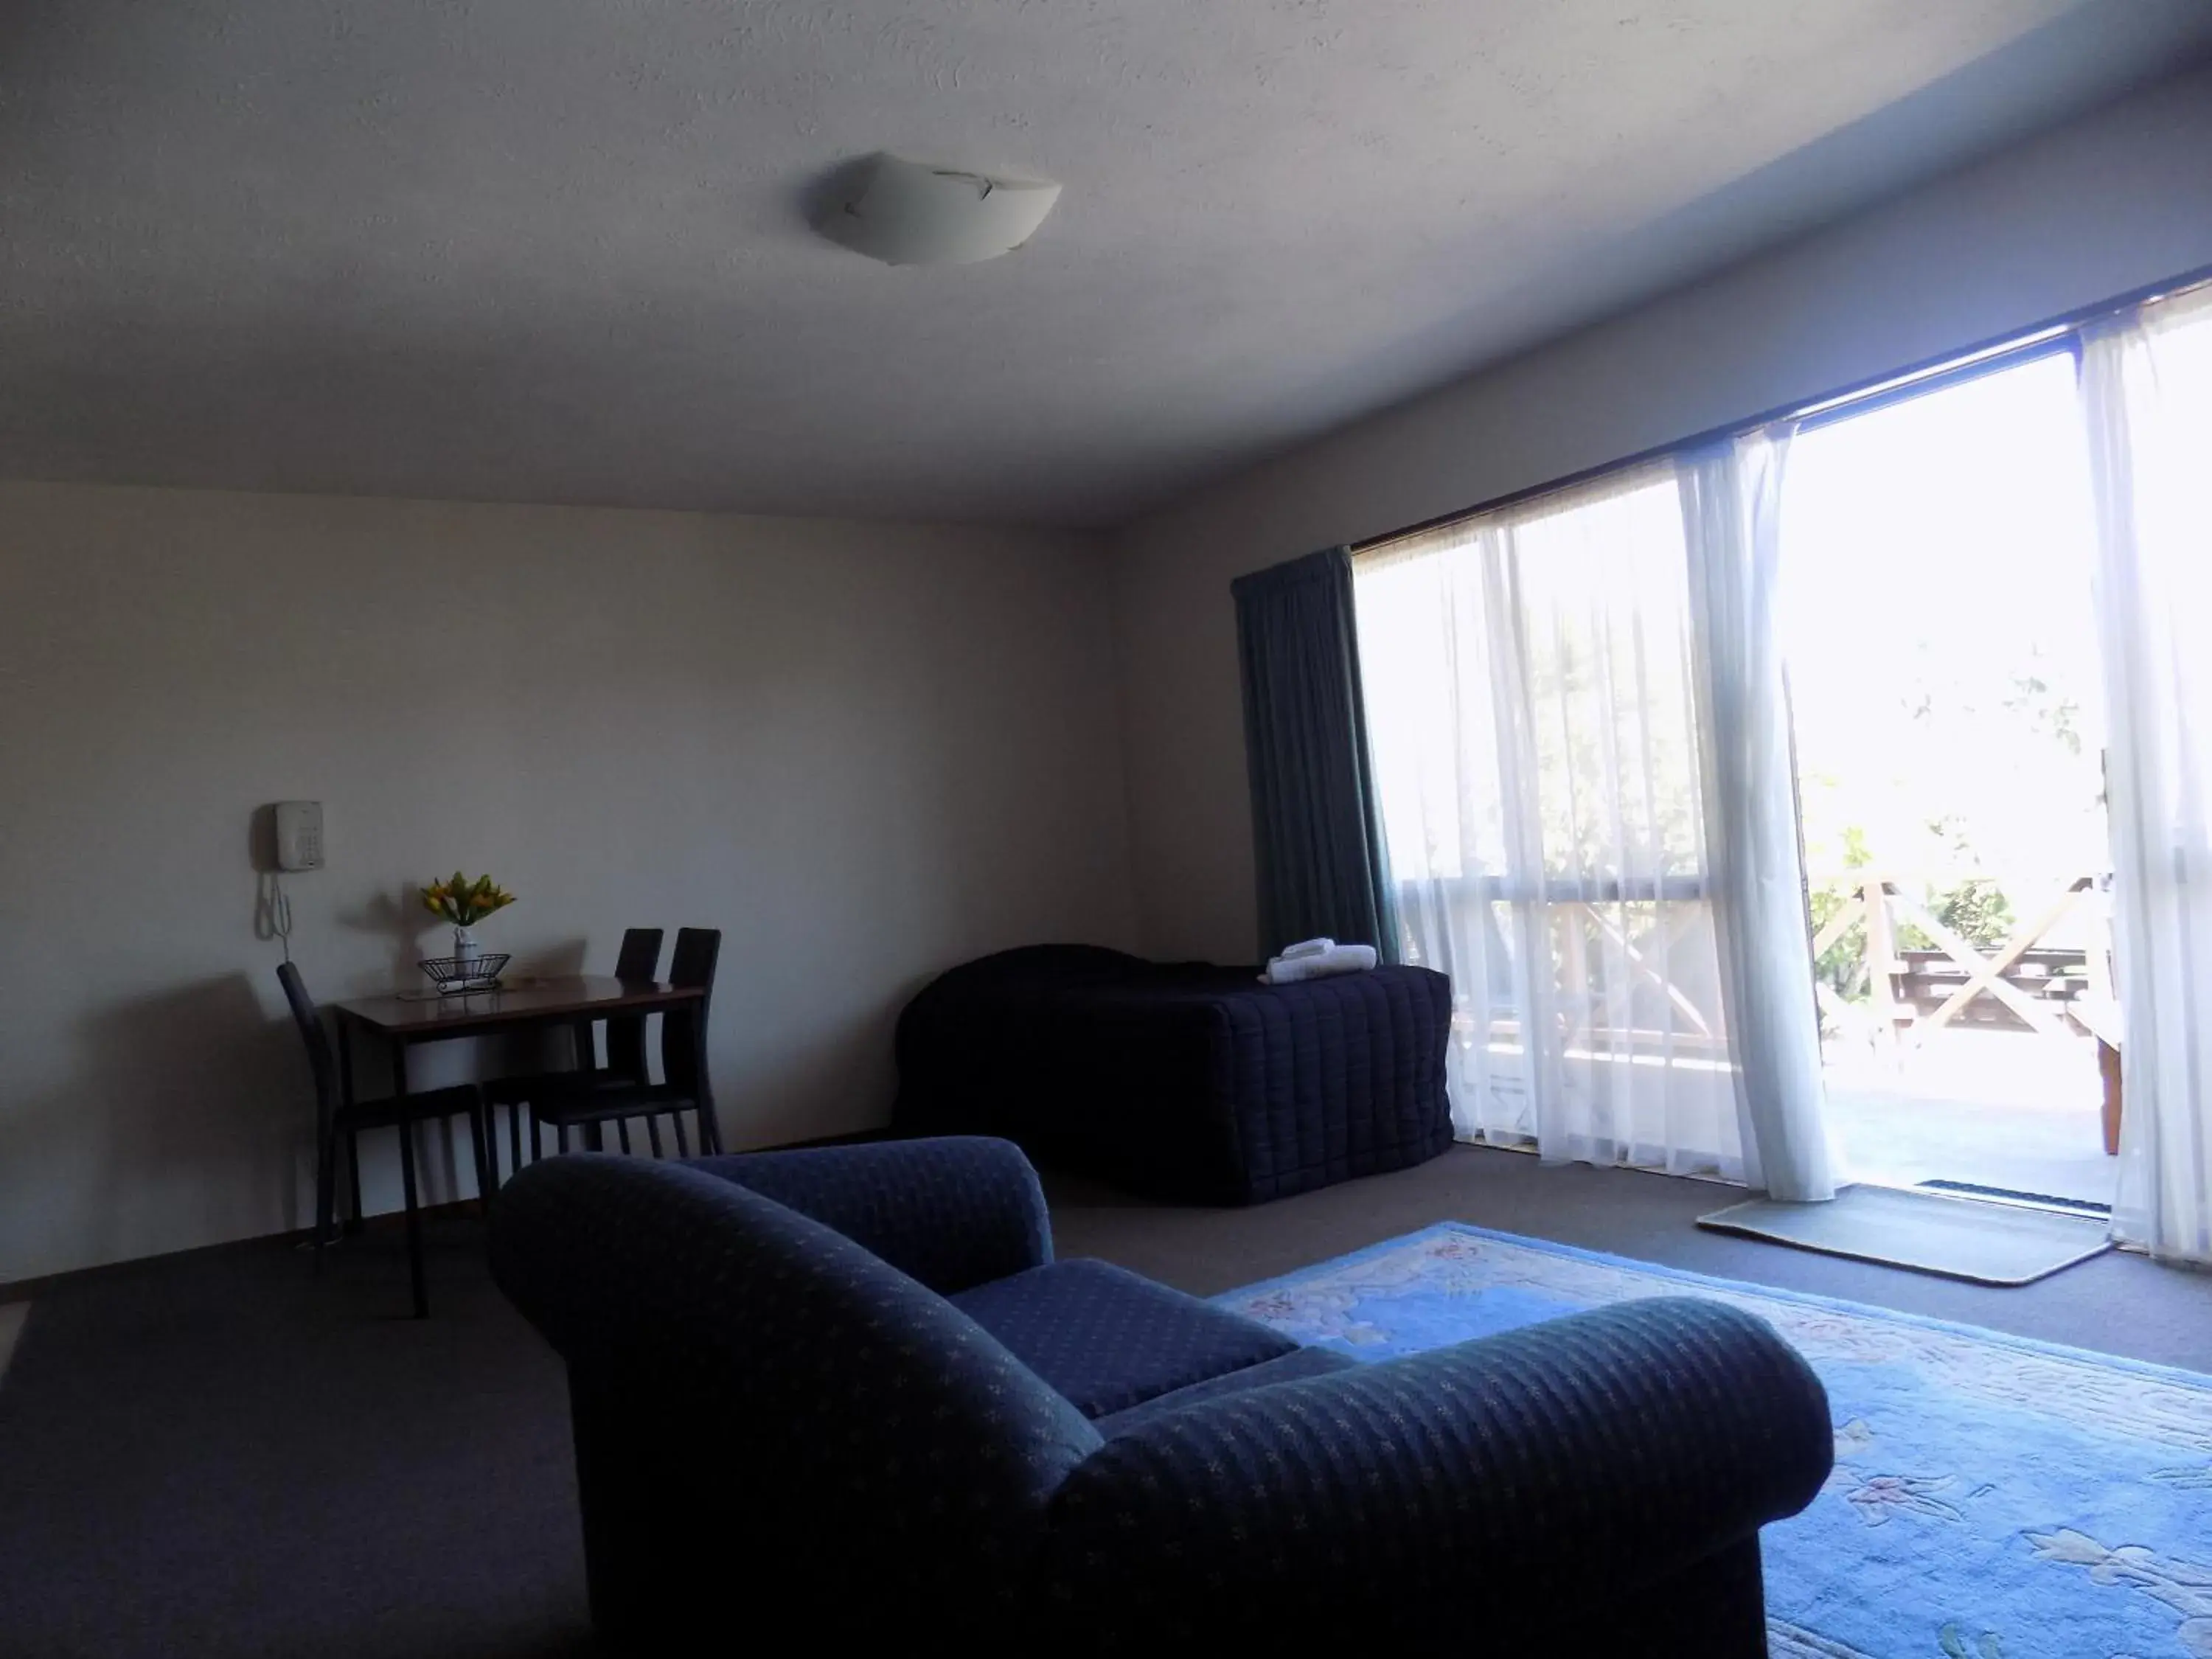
(1928, 1232)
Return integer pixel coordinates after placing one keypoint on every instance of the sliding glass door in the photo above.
(1939, 629)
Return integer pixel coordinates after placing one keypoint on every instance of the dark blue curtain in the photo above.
(1316, 829)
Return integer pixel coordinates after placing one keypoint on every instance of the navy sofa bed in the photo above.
(844, 1396)
(1184, 1081)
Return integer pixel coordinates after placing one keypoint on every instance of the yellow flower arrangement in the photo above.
(464, 903)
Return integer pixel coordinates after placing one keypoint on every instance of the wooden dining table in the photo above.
(404, 1020)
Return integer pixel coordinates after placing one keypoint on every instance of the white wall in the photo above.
(2110, 204)
(865, 751)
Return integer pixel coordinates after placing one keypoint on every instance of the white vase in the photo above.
(465, 952)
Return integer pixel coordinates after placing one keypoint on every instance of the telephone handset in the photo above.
(299, 834)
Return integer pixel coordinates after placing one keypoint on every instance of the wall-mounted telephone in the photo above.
(299, 834)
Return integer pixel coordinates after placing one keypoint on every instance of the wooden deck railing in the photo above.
(1587, 931)
(1912, 993)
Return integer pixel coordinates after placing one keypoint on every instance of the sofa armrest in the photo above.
(954, 1212)
(1547, 1473)
(765, 1412)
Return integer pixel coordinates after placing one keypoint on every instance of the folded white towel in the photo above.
(1337, 959)
(1305, 947)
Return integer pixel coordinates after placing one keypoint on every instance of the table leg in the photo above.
(326, 1161)
(407, 1185)
(330, 1153)
(326, 1181)
(486, 1142)
(414, 1220)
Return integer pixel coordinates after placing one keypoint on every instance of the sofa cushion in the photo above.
(1300, 1362)
(1106, 1340)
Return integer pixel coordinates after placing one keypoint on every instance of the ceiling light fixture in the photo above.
(911, 212)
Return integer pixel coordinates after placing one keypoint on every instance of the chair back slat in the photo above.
(639, 956)
(319, 1057)
(639, 959)
(698, 949)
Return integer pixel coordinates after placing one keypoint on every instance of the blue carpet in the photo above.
(1993, 1497)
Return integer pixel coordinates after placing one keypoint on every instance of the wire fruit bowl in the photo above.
(457, 975)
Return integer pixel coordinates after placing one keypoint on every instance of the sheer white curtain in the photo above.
(1529, 693)
(1731, 515)
(2147, 395)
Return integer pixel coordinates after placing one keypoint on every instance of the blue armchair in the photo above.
(847, 1392)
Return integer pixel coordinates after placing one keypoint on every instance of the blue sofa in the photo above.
(845, 1396)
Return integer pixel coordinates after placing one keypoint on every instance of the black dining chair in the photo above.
(582, 1104)
(335, 1116)
(639, 958)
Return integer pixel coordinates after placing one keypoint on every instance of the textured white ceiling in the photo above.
(556, 250)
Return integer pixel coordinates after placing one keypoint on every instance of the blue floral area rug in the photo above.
(1993, 1497)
